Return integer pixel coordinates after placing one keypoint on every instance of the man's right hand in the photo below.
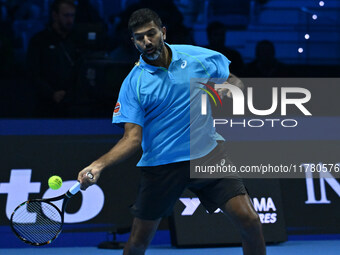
(85, 180)
(58, 96)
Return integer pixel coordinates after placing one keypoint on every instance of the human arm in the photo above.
(234, 80)
(127, 146)
(222, 72)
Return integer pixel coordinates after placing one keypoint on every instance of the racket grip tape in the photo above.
(75, 188)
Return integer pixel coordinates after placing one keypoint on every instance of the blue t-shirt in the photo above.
(167, 104)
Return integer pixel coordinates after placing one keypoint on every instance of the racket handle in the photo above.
(75, 188)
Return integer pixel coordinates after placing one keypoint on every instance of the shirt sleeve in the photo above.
(128, 108)
(221, 67)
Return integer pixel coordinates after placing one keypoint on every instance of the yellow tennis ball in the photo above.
(55, 182)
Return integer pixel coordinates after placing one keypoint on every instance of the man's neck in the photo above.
(164, 59)
(57, 29)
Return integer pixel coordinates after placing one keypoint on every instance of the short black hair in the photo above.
(265, 45)
(55, 6)
(216, 25)
(143, 16)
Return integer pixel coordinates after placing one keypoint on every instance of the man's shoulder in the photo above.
(42, 36)
(134, 74)
(193, 50)
(43, 33)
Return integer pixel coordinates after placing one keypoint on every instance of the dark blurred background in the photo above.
(67, 59)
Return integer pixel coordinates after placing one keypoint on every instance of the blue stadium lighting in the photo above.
(314, 17)
(300, 50)
(307, 36)
(322, 3)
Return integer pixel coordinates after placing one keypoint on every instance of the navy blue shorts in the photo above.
(161, 186)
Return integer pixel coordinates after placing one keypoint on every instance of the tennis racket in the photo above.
(38, 221)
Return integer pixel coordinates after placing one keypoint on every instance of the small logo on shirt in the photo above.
(116, 111)
(222, 162)
(184, 64)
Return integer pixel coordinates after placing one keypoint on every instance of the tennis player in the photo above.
(154, 107)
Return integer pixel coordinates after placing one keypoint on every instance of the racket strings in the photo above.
(37, 222)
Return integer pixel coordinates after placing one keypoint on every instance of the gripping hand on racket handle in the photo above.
(126, 147)
(88, 176)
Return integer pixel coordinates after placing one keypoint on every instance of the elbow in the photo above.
(133, 141)
(133, 135)
(137, 142)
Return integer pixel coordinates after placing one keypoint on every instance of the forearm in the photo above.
(234, 80)
(125, 148)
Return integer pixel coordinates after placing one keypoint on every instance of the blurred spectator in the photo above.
(194, 11)
(24, 9)
(86, 12)
(5, 21)
(171, 17)
(173, 20)
(6, 56)
(125, 53)
(90, 29)
(126, 3)
(265, 63)
(6, 46)
(216, 32)
(51, 60)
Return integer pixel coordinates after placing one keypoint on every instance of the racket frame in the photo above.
(65, 196)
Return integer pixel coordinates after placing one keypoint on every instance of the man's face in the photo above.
(65, 17)
(217, 37)
(149, 40)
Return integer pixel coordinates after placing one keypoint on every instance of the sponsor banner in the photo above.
(307, 200)
(31, 160)
(191, 225)
(310, 205)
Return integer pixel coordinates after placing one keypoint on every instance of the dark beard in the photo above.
(155, 55)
